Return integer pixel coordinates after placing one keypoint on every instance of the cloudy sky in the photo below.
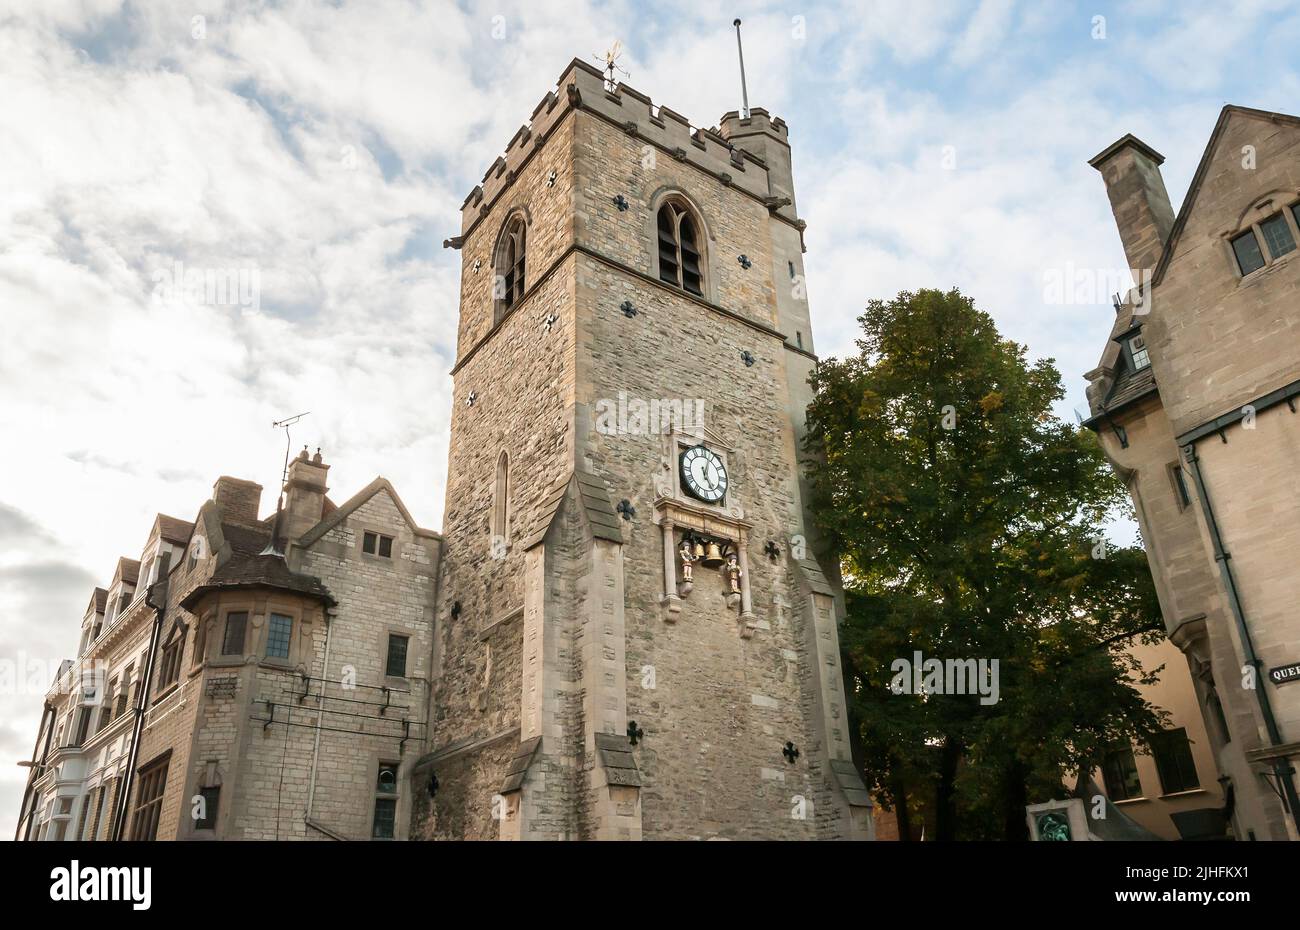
(327, 147)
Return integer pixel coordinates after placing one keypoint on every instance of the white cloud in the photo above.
(985, 33)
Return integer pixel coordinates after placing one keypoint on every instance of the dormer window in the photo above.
(680, 255)
(1137, 353)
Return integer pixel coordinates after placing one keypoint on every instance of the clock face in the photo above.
(703, 474)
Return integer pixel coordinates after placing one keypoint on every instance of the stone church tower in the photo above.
(634, 638)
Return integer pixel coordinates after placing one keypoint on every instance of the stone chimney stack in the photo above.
(238, 499)
(1131, 170)
(305, 494)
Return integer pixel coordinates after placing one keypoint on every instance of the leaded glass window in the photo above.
(1277, 235)
(1246, 248)
(279, 629)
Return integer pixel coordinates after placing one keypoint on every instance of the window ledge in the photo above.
(165, 694)
(1142, 800)
(1191, 792)
(226, 661)
(1260, 274)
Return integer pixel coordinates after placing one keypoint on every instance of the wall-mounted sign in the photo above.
(1284, 673)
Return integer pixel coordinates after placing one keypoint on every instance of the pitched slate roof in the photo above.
(174, 529)
(128, 570)
(246, 567)
(101, 600)
(1129, 386)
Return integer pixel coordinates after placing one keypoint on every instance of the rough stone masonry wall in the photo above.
(612, 163)
(272, 764)
(376, 597)
(723, 706)
(549, 211)
(263, 771)
(522, 379)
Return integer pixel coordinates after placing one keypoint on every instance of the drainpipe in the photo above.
(159, 605)
(320, 710)
(1282, 770)
(47, 713)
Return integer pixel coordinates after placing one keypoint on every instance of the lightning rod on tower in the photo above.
(744, 91)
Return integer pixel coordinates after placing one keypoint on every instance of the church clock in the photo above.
(704, 477)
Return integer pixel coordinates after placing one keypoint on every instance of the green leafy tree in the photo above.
(969, 520)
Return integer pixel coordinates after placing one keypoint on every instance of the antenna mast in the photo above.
(744, 91)
(273, 547)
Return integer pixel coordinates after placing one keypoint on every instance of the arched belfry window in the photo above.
(681, 258)
(500, 528)
(508, 288)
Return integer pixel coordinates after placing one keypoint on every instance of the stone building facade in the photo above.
(269, 676)
(632, 294)
(82, 753)
(1177, 782)
(1195, 402)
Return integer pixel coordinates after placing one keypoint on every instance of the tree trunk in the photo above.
(945, 814)
(901, 814)
(1015, 827)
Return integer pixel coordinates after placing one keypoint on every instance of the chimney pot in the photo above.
(304, 494)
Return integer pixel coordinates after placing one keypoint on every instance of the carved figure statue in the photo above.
(688, 560)
(733, 572)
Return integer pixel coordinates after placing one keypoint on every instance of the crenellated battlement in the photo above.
(581, 86)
